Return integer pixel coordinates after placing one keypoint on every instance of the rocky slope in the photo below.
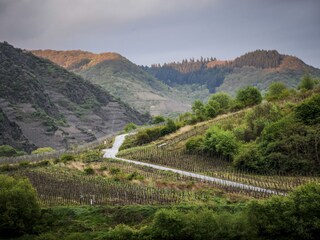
(42, 104)
(122, 79)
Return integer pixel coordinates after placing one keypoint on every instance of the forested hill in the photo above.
(258, 68)
(42, 104)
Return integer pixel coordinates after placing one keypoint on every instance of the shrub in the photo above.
(308, 111)
(195, 144)
(114, 171)
(135, 176)
(249, 96)
(218, 141)
(249, 158)
(92, 156)
(212, 109)
(67, 157)
(7, 151)
(294, 217)
(89, 170)
(306, 83)
(277, 90)
(120, 232)
(129, 127)
(19, 207)
(223, 99)
(43, 150)
(158, 119)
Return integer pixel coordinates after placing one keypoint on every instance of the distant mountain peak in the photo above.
(77, 60)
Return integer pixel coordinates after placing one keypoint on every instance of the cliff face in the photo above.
(53, 107)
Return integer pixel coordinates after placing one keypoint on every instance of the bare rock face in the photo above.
(46, 105)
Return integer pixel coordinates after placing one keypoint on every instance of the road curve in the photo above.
(112, 152)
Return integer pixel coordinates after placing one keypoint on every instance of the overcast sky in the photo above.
(157, 31)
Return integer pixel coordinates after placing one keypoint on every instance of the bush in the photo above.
(195, 144)
(19, 207)
(7, 151)
(67, 157)
(89, 170)
(120, 232)
(276, 91)
(306, 83)
(92, 156)
(289, 146)
(129, 127)
(308, 111)
(218, 141)
(43, 150)
(223, 99)
(249, 96)
(249, 158)
(294, 217)
(158, 119)
(212, 109)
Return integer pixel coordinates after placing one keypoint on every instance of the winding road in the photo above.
(112, 152)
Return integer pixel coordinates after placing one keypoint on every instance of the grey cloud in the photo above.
(148, 31)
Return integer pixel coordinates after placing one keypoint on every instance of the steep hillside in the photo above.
(45, 105)
(122, 79)
(258, 68)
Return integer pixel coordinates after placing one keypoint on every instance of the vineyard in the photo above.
(64, 188)
(215, 166)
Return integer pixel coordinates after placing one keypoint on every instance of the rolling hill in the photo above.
(42, 104)
(258, 68)
(123, 79)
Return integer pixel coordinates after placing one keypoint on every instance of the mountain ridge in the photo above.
(54, 107)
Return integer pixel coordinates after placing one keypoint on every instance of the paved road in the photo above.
(112, 152)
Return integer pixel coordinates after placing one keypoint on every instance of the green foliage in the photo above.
(223, 99)
(195, 144)
(92, 156)
(276, 91)
(259, 117)
(7, 151)
(66, 157)
(249, 96)
(196, 225)
(43, 150)
(212, 108)
(307, 83)
(129, 127)
(294, 217)
(120, 232)
(218, 141)
(19, 208)
(309, 110)
(198, 110)
(89, 171)
(134, 176)
(289, 146)
(114, 171)
(158, 119)
(249, 158)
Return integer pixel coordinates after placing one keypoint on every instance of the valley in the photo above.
(99, 173)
